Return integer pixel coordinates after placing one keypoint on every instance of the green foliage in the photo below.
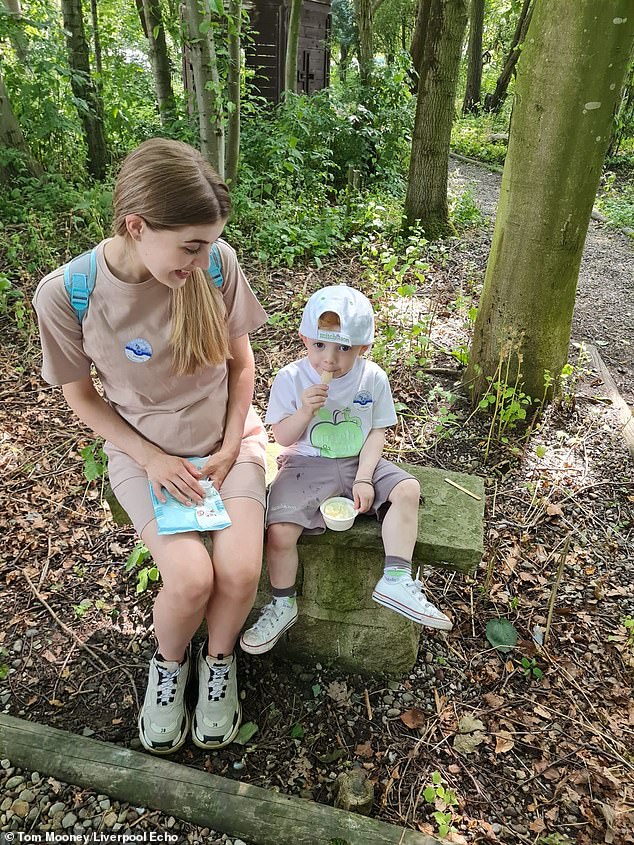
(463, 210)
(531, 670)
(616, 200)
(293, 201)
(4, 667)
(147, 574)
(95, 460)
(12, 303)
(470, 136)
(444, 801)
(82, 608)
(246, 732)
(48, 220)
(501, 634)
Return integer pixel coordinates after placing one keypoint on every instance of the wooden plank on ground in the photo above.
(623, 409)
(228, 806)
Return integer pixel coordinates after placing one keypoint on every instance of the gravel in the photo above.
(32, 803)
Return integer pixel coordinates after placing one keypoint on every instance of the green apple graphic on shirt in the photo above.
(337, 437)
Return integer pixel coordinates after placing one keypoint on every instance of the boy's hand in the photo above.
(363, 493)
(314, 397)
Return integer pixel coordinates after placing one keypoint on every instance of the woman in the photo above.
(173, 356)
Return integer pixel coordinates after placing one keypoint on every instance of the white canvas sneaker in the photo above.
(406, 597)
(164, 720)
(276, 618)
(218, 712)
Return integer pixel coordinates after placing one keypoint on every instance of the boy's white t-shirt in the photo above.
(357, 402)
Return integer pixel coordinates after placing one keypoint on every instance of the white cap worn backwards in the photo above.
(356, 318)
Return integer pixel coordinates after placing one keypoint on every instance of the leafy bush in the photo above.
(470, 137)
(616, 201)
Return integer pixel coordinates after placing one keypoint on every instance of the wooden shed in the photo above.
(267, 53)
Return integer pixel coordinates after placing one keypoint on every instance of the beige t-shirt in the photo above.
(125, 334)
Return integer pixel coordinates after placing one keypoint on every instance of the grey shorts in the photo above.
(245, 480)
(303, 483)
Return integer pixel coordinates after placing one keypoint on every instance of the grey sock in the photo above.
(396, 568)
(284, 592)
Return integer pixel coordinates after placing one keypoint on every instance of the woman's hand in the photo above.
(217, 467)
(363, 493)
(177, 475)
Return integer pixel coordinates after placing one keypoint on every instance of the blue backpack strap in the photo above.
(215, 266)
(79, 280)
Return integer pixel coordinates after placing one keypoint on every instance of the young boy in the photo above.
(329, 410)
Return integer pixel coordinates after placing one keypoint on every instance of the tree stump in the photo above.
(354, 792)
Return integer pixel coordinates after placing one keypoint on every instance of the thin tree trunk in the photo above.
(292, 41)
(493, 102)
(18, 38)
(233, 85)
(344, 52)
(12, 138)
(96, 40)
(159, 60)
(426, 199)
(418, 39)
(474, 58)
(624, 114)
(363, 13)
(565, 96)
(90, 114)
(200, 39)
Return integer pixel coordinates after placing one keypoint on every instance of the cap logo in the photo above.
(333, 337)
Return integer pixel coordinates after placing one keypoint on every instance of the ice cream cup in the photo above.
(338, 513)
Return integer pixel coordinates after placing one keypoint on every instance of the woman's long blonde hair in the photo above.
(170, 185)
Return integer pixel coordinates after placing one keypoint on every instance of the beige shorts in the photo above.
(303, 484)
(245, 480)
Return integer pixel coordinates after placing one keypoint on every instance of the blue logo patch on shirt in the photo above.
(362, 398)
(138, 350)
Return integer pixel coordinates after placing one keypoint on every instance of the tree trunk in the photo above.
(88, 102)
(96, 40)
(11, 137)
(565, 96)
(418, 40)
(233, 85)
(493, 102)
(200, 40)
(344, 60)
(474, 61)
(624, 114)
(363, 14)
(159, 61)
(292, 40)
(17, 36)
(426, 199)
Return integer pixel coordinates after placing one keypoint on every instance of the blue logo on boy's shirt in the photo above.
(362, 398)
(138, 350)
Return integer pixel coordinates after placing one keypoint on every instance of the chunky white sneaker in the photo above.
(218, 713)
(164, 720)
(406, 597)
(276, 618)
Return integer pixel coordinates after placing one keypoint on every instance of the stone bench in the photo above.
(338, 621)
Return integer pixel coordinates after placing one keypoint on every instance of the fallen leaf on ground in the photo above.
(504, 742)
(469, 723)
(364, 750)
(414, 718)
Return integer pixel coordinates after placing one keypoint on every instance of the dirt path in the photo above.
(604, 310)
